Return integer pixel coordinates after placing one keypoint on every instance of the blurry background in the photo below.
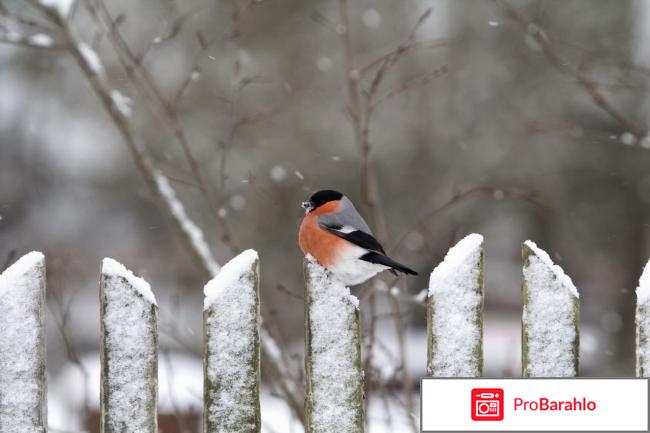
(520, 120)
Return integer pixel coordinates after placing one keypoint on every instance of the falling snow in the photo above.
(238, 202)
(278, 173)
(628, 138)
(324, 63)
(371, 18)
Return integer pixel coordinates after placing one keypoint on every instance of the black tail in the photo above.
(381, 259)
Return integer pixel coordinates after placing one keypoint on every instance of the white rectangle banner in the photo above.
(534, 405)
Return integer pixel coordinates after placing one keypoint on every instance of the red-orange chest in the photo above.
(322, 245)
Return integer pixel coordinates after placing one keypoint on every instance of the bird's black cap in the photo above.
(324, 196)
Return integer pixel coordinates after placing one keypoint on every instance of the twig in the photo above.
(146, 167)
(582, 79)
(409, 84)
(10, 258)
(405, 47)
(281, 288)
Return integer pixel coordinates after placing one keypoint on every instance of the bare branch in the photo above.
(431, 44)
(582, 79)
(410, 84)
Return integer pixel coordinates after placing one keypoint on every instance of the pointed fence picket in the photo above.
(22, 346)
(128, 352)
(455, 312)
(550, 318)
(334, 399)
(231, 323)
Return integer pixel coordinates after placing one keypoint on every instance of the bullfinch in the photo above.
(334, 233)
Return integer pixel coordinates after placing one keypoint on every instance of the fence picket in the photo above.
(334, 401)
(23, 390)
(231, 321)
(455, 312)
(128, 352)
(550, 317)
(643, 324)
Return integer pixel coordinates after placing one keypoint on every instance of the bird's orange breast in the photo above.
(321, 244)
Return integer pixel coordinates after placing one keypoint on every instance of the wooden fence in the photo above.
(334, 400)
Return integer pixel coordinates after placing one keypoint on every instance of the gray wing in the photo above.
(349, 225)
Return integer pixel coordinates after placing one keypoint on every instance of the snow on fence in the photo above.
(455, 312)
(334, 400)
(231, 321)
(128, 351)
(22, 346)
(550, 318)
(643, 324)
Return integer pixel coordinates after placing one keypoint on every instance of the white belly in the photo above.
(351, 271)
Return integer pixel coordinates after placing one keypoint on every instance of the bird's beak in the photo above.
(307, 206)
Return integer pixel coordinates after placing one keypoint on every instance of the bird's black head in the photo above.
(320, 198)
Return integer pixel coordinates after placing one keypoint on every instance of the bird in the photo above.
(339, 239)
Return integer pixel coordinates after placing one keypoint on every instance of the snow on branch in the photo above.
(129, 351)
(22, 346)
(122, 103)
(62, 7)
(455, 312)
(334, 401)
(643, 324)
(92, 59)
(550, 337)
(232, 354)
(34, 40)
(191, 230)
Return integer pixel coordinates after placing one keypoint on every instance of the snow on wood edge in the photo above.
(229, 274)
(642, 318)
(643, 290)
(549, 318)
(22, 346)
(458, 256)
(557, 270)
(21, 268)
(333, 354)
(114, 268)
(455, 313)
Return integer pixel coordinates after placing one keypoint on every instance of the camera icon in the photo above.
(487, 404)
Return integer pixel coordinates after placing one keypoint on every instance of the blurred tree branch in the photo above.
(91, 67)
(584, 81)
(361, 104)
